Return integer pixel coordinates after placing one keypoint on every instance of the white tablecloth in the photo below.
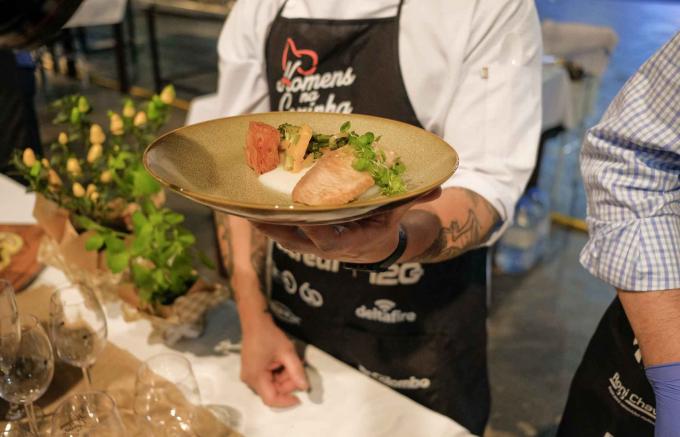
(342, 402)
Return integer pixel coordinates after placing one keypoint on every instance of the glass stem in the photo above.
(32, 423)
(15, 412)
(87, 377)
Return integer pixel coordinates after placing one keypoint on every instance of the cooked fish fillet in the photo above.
(332, 180)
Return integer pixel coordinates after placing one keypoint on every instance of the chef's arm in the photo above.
(655, 318)
(459, 220)
(244, 251)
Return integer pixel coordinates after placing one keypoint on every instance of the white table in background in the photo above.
(351, 404)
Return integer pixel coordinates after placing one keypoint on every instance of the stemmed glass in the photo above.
(166, 394)
(77, 327)
(27, 364)
(9, 318)
(89, 414)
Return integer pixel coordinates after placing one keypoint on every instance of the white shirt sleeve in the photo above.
(242, 84)
(495, 114)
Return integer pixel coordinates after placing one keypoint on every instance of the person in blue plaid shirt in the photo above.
(631, 169)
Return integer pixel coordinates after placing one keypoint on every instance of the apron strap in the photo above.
(401, 3)
(280, 12)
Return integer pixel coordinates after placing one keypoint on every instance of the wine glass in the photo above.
(27, 364)
(8, 317)
(77, 327)
(88, 414)
(166, 394)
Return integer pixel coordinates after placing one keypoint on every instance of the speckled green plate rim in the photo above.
(373, 201)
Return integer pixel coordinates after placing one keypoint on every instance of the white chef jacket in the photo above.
(471, 68)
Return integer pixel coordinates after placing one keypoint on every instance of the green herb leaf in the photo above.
(95, 242)
(35, 169)
(174, 218)
(345, 126)
(113, 244)
(144, 184)
(361, 164)
(117, 261)
(138, 220)
(187, 239)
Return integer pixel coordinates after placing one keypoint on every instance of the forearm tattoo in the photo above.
(463, 233)
(258, 255)
(258, 248)
(224, 241)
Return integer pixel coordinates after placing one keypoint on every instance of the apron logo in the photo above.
(384, 312)
(283, 313)
(410, 383)
(637, 353)
(398, 274)
(301, 86)
(290, 67)
(308, 295)
(629, 401)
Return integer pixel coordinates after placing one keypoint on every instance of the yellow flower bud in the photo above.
(140, 119)
(116, 125)
(78, 190)
(73, 167)
(168, 95)
(94, 196)
(63, 138)
(106, 176)
(28, 157)
(45, 163)
(53, 178)
(91, 188)
(97, 134)
(94, 153)
(129, 109)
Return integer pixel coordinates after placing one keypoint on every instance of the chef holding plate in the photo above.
(400, 296)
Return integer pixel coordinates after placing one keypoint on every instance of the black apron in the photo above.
(418, 328)
(610, 395)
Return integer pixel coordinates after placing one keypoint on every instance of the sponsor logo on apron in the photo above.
(398, 274)
(410, 383)
(384, 311)
(313, 261)
(283, 313)
(631, 402)
(300, 84)
(308, 295)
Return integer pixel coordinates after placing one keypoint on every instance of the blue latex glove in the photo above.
(665, 380)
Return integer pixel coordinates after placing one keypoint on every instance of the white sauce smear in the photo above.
(281, 180)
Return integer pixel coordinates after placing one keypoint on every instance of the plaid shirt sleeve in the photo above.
(631, 169)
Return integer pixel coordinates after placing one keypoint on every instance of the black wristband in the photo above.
(384, 265)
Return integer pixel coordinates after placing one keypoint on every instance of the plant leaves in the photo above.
(117, 262)
(174, 218)
(143, 184)
(35, 169)
(95, 242)
(138, 221)
(113, 244)
(187, 239)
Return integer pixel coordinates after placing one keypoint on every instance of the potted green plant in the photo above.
(103, 214)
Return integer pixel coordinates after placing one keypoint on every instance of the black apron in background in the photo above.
(418, 328)
(610, 395)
